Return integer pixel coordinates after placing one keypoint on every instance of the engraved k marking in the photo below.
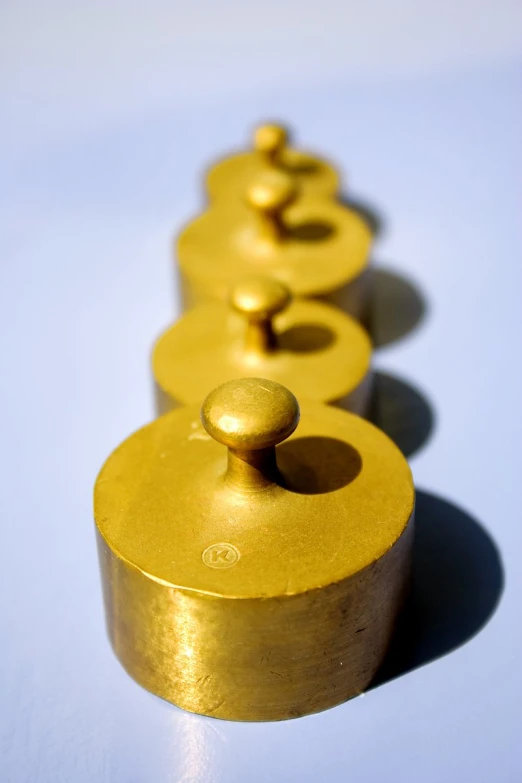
(220, 555)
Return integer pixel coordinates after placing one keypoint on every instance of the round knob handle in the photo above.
(250, 414)
(271, 192)
(270, 139)
(259, 298)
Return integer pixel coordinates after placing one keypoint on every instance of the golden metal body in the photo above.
(228, 179)
(254, 583)
(317, 247)
(314, 349)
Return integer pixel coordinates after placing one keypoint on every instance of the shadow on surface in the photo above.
(314, 465)
(457, 583)
(402, 412)
(371, 216)
(311, 231)
(300, 164)
(397, 307)
(305, 338)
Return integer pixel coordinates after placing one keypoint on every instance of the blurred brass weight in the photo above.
(228, 179)
(250, 582)
(314, 349)
(317, 247)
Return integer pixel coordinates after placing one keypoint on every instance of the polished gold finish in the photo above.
(229, 178)
(259, 299)
(268, 196)
(263, 585)
(317, 247)
(316, 350)
(232, 415)
(270, 142)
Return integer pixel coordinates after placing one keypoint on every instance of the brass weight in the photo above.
(228, 179)
(254, 583)
(314, 349)
(317, 247)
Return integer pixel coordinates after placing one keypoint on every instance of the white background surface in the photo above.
(110, 111)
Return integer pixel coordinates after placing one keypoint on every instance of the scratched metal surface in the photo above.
(112, 109)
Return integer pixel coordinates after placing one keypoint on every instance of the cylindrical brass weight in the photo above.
(250, 582)
(317, 247)
(314, 349)
(227, 180)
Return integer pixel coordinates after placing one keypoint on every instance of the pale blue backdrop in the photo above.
(110, 112)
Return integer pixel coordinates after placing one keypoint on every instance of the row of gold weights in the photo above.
(243, 581)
